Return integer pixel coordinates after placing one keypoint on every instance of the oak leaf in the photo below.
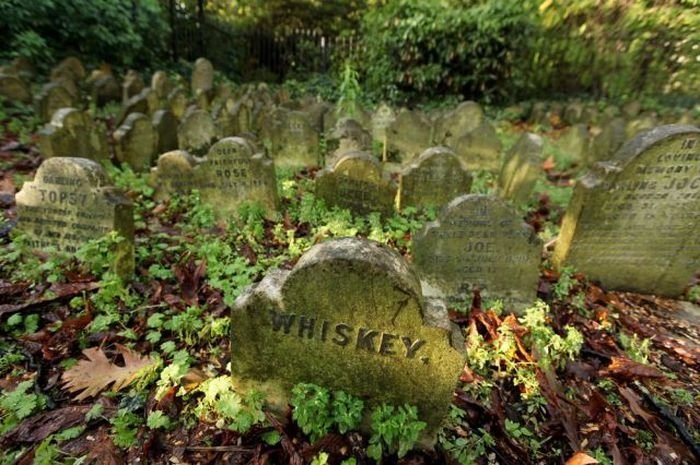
(580, 458)
(94, 375)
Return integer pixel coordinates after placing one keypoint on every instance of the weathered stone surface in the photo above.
(161, 85)
(479, 242)
(356, 182)
(573, 113)
(350, 316)
(136, 104)
(521, 168)
(232, 173)
(480, 148)
(382, 118)
(165, 125)
(349, 135)
(296, 142)
(196, 132)
(132, 85)
(70, 202)
(202, 76)
(177, 101)
(452, 125)
(632, 222)
(70, 68)
(631, 109)
(14, 89)
(52, 97)
(574, 142)
(641, 123)
(608, 141)
(136, 142)
(409, 134)
(434, 179)
(104, 88)
(72, 133)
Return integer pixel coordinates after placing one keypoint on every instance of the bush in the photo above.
(120, 32)
(423, 50)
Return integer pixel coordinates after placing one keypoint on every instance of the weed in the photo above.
(394, 430)
(226, 408)
(637, 349)
(19, 404)
(316, 410)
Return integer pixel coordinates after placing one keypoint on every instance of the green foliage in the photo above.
(227, 409)
(350, 92)
(565, 283)
(18, 405)
(637, 349)
(158, 420)
(551, 349)
(422, 50)
(394, 430)
(129, 34)
(469, 447)
(125, 426)
(316, 411)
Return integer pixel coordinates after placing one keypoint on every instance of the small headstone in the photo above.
(136, 104)
(177, 101)
(133, 84)
(72, 133)
(349, 134)
(356, 182)
(70, 68)
(434, 179)
(521, 168)
(409, 134)
(136, 142)
(52, 97)
(297, 142)
(479, 149)
(641, 123)
(72, 201)
(349, 316)
(382, 118)
(174, 174)
(202, 76)
(23, 67)
(631, 109)
(479, 242)
(105, 88)
(14, 89)
(165, 125)
(574, 143)
(464, 119)
(633, 220)
(161, 85)
(196, 132)
(573, 113)
(608, 141)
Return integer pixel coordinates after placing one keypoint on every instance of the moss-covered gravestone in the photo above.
(177, 102)
(72, 201)
(574, 143)
(14, 89)
(350, 316)
(607, 141)
(52, 97)
(202, 76)
(165, 125)
(633, 221)
(356, 182)
(382, 118)
(73, 133)
(409, 135)
(478, 149)
(161, 85)
(136, 142)
(521, 168)
(196, 132)
(479, 242)
(296, 143)
(434, 179)
(132, 85)
(465, 118)
(174, 174)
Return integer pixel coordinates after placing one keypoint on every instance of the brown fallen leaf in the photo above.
(94, 375)
(580, 458)
(624, 368)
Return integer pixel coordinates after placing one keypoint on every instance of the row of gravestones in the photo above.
(631, 224)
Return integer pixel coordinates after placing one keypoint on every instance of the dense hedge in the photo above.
(119, 32)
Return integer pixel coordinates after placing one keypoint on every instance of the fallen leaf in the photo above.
(39, 427)
(624, 368)
(94, 375)
(580, 458)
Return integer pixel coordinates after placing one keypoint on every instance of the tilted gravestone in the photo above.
(356, 182)
(136, 142)
(574, 143)
(136, 104)
(132, 85)
(177, 102)
(297, 142)
(232, 173)
(202, 76)
(382, 118)
(348, 135)
(640, 123)
(433, 179)
(72, 201)
(465, 118)
(479, 242)
(349, 316)
(14, 89)
(70, 68)
(608, 141)
(165, 124)
(196, 132)
(161, 85)
(52, 97)
(72, 133)
(633, 221)
(521, 168)
(104, 87)
(409, 134)
(478, 149)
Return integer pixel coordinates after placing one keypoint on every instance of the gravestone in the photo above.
(132, 85)
(641, 123)
(349, 316)
(608, 141)
(52, 97)
(574, 143)
(356, 182)
(177, 102)
(465, 118)
(631, 109)
(165, 124)
(22, 67)
(14, 89)
(433, 179)
(72, 133)
(136, 142)
(573, 113)
(382, 118)
(521, 168)
(196, 132)
(70, 68)
(72, 201)
(349, 135)
(202, 76)
(409, 134)
(174, 174)
(104, 88)
(632, 222)
(479, 242)
(297, 142)
(478, 149)
(136, 104)
(161, 85)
